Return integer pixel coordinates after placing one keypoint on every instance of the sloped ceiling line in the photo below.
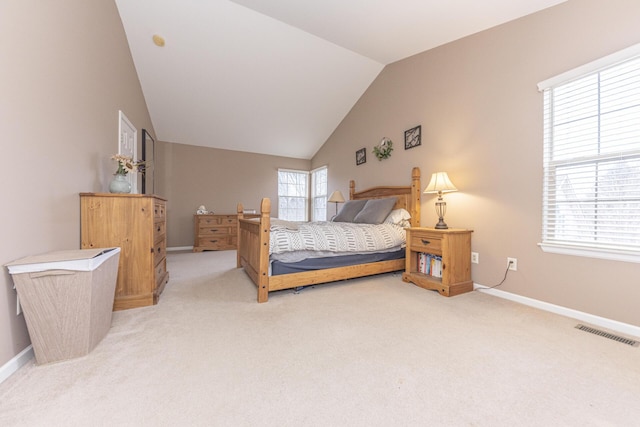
(278, 77)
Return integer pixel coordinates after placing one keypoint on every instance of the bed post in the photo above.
(263, 271)
(240, 212)
(415, 197)
(352, 189)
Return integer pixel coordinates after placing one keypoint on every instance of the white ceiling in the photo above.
(277, 77)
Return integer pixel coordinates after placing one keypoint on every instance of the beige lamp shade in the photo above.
(440, 183)
(336, 197)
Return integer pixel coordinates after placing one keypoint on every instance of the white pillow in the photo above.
(399, 217)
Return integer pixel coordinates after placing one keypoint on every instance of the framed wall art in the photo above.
(361, 156)
(149, 158)
(412, 137)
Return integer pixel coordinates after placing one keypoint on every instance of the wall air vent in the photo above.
(608, 335)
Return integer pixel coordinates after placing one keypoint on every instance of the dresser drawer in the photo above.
(159, 210)
(215, 220)
(160, 270)
(216, 243)
(426, 242)
(216, 231)
(159, 252)
(159, 230)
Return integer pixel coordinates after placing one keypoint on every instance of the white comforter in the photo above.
(334, 237)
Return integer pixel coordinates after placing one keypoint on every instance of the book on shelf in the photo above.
(430, 264)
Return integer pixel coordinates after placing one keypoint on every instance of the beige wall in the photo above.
(219, 179)
(66, 71)
(481, 118)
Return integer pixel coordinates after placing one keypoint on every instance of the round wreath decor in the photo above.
(383, 149)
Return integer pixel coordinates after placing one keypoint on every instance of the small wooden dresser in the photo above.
(137, 224)
(215, 232)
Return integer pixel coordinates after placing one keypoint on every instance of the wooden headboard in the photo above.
(408, 197)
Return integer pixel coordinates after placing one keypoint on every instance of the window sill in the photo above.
(584, 251)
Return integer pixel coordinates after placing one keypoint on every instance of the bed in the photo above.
(254, 243)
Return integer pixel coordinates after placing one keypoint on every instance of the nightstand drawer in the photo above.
(425, 242)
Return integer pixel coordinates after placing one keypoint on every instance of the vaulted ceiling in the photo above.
(277, 77)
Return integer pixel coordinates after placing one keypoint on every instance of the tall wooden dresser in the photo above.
(137, 224)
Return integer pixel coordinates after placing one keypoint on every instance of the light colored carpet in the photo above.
(365, 352)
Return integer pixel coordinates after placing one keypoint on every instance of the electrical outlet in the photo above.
(512, 263)
(475, 258)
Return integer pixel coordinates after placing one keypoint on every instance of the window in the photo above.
(293, 194)
(591, 188)
(319, 194)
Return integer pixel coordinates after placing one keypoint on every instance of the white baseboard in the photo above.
(180, 248)
(603, 322)
(16, 363)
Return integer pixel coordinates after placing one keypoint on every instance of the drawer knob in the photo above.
(425, 241)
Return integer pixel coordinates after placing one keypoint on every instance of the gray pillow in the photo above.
(349, 210)
(375, 211)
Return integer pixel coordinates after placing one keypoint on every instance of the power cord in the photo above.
(503, 279)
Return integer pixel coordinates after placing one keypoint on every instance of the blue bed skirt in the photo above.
(278, 267)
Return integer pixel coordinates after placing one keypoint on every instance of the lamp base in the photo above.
(441, 209)
(441, 225)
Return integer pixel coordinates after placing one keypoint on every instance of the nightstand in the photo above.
(439, 260)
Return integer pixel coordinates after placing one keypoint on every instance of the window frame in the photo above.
(315, 198)
(306, 193)
(601, 251)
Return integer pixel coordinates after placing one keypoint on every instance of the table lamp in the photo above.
(440, 183)
(336, 197)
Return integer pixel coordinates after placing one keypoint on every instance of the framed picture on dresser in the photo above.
(148, 156)
(128, 145)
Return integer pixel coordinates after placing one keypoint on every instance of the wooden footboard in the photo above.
(253, 244)
(253, 247)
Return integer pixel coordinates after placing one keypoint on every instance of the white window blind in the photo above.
(319, 194)
(293, 195)
(591, 200)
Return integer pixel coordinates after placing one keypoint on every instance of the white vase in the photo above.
(120, 184)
